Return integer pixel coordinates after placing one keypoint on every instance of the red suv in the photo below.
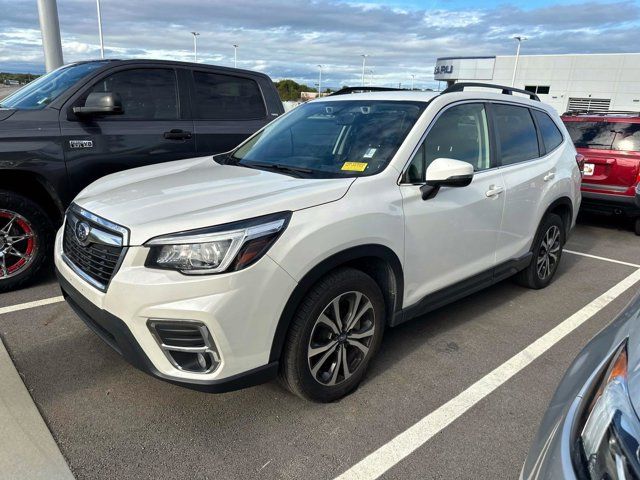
(610, 144)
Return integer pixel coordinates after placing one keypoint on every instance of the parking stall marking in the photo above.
(611, 260)
(34, 304)
(401, 446)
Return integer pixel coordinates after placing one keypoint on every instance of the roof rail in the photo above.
(459, 87)
(348, 90)
(575, 113)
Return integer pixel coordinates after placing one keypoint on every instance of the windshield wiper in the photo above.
(278, 166)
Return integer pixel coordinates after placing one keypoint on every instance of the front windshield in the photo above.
(332, 139)
(41, 92)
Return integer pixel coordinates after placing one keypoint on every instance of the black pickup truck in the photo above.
(85, 120)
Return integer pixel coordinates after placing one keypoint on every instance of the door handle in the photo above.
(494, 191)
(177, 134)
(549, 176)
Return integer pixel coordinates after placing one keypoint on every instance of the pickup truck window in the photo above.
(227, 97)
(146, 93)
(41, 92)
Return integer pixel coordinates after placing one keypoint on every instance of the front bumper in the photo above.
(241, 311)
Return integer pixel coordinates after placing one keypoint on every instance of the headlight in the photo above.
(227, 247)
(610, 434)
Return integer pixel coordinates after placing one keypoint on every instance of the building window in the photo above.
(541, 89)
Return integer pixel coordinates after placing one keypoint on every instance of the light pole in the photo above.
(195, 46)
(413, 77)
(520, 39)
(100, 29)
(319, 81)
(364, 61)
(50, 28)
(370, 78)
(235, 56)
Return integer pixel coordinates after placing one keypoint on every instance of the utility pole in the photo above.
(413, 77)
(320, 81)
(50, 28)
(100, 29)
(235, 56)
(195, 46)
(520, 39)
(364, 61)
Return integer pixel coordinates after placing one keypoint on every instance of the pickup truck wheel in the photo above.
(335, 333)
(26, 240)
(547, 251)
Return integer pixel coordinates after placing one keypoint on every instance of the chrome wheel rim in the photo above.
(18, 244)
(341, 338)
(549, 253)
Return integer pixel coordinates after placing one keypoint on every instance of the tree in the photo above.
(290, 90)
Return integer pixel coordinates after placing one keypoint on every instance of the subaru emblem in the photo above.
(82, 232)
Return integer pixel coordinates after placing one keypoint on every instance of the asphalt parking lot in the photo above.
(112, 421)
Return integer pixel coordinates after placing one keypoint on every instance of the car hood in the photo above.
(6, 113)
(195, 193)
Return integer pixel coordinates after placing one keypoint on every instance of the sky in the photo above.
(288, 39)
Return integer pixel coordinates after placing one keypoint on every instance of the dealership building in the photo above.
(585, 82)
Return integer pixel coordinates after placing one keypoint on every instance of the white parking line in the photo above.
(611, 260)
(385, 457)
(25, 306)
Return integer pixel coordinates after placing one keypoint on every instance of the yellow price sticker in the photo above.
(354, 166)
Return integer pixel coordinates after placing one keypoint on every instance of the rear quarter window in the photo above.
(551, 135)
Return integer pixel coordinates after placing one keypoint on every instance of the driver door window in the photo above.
(461, 133)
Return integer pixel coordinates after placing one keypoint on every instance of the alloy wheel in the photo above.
(549, 253)
(341, 338)
(17, 244)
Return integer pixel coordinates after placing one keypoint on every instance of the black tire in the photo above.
(41, 231)
(637, 226)
(342, 285)
(531, 277)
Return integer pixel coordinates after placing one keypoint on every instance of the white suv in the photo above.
(291, 254)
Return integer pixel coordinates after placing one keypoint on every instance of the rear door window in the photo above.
(551, 135)
(605, 135)
(225, 97)
(516, 134)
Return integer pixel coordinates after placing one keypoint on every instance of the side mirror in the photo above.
(100, 103)
(446, 172)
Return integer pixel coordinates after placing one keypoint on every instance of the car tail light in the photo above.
(580, 161)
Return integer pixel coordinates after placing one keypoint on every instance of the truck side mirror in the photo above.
(101, 103)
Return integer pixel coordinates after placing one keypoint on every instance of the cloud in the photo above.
(289, 40)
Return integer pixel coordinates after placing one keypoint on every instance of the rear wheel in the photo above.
(335, 333)
(26, 238)
(637, 226)
(547, 251)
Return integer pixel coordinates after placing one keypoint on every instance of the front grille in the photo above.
(97, 258)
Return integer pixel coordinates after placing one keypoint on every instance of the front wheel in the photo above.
(26, 238)
(335, 333)
(547, 251)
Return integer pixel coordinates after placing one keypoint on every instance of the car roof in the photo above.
(419, 96)
(111, 62)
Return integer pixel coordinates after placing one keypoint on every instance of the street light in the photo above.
(364, 61)
(413, 77)
(100, 29)
(235, 56)
(320, 81)
(370, 78)
(195, 46)
(520, 39)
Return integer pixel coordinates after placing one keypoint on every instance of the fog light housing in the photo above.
(187, 344)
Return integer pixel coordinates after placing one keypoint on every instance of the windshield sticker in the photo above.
(369, 153)
(354, 166)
